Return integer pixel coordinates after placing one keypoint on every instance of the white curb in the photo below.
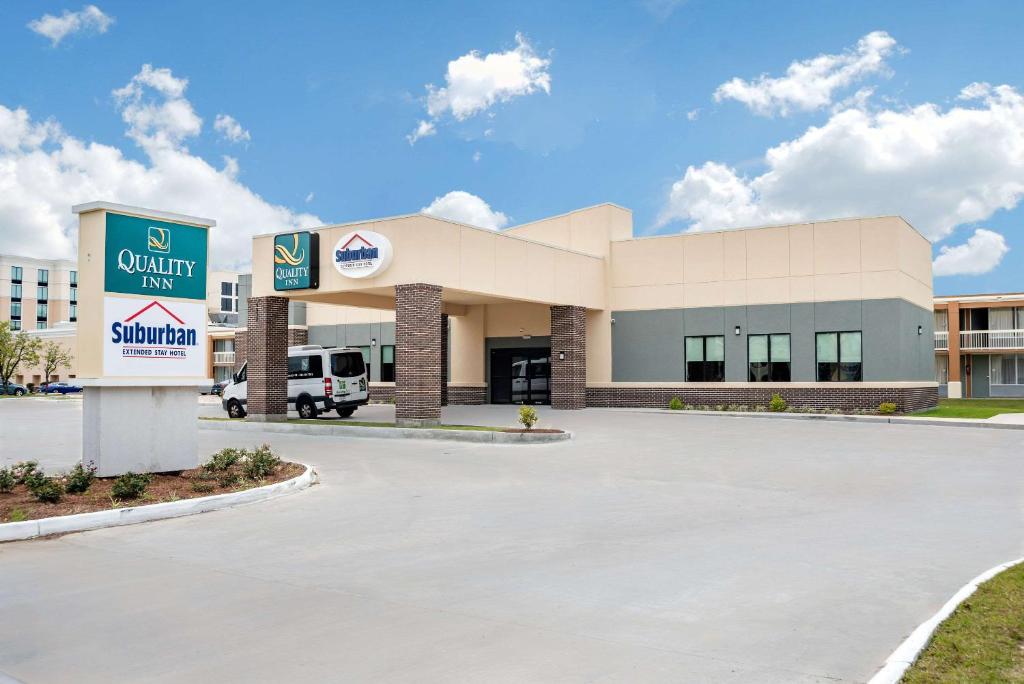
(904, 656)
(15, 531)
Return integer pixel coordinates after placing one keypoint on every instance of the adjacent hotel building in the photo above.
(575, 311)
(979, 345)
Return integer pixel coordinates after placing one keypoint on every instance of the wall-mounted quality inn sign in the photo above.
(297, 261)
(150, 257)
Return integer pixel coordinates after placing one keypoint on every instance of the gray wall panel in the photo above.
(648, 345)
(769, 318)
(735, 345)
(703, 321)
(838, 316)
(1006, 390)
(882, 351)
(801, 342)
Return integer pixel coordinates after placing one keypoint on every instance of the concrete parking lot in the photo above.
(651, 548)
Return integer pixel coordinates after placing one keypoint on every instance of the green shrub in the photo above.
(777, 403)
(887, 408)
(80, 478)
(229, 480)
(17, 515)
(130, 486)
(260, 462)
(45, 489)
(527, 416)
(25, 470)
(202, 486)
(675, 404)
(7, 479)
(224, 459)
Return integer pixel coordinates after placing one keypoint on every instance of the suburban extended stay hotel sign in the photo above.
(154, 310)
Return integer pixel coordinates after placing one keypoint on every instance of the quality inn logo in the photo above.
(159, 240)
(289, 257)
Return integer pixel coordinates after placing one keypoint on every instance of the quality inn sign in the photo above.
(151, 257)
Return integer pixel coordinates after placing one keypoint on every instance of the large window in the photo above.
(225, 304)
(74, 279)
(74, 294)
(1007, 369)
(228, 296)
(16, 274)
(43, 277)
(387, 363)
(768, 357)
(74, 313)
(15, 325)
(839, 357)
(42, 293)
(942, 369)
(15, 291)
(16, 310)
(42, 311)
(705, 359)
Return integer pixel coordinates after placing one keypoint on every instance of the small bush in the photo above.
(25, 470)
(80, 479)
(887, 408)
(777, 403)
(675, 404)
(527, 416)
(46, 489)
(229, 480)
(17, 515)
(7, 479)
(260, 462)
(202, 486)
(129, 486)
(224, 459)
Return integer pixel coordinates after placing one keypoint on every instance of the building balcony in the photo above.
(971, 340)
(223, 358)
(942, 339)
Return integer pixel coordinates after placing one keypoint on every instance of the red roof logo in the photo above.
(355, 237)
(150, 306)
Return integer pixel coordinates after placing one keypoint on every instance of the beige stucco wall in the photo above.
(34, 374)
(589, 230)
(850, 259)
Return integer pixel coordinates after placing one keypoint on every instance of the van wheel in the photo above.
(19, 392)
(346, 412)
(235, 409)
(306, 408)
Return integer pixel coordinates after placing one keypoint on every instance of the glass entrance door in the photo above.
(521, 376)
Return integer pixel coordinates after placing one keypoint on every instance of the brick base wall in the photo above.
(457, 396)
(907, 399)
(297, 336)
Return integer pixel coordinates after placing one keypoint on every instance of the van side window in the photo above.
(305, 367)
(347, 365)
(243, 373)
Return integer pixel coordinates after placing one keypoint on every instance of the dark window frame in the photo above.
(837, 373)
(774, 371)
(16, 291)
(42, 276)
(387, 368)
(709, 371)
(17, 274)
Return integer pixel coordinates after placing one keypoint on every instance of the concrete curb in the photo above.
(907, 652)
(29, 529)
(331, 430)
(892, 420)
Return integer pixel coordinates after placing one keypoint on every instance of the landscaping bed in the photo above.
(27, 494)
(983, 640)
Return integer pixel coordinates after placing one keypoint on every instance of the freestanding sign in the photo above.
(297, 261)
(142, 336)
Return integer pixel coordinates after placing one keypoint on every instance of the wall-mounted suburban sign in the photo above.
(153, 338)
(297, 261)
(150, 257)
(362, 254)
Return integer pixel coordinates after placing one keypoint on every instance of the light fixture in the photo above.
(920, 330)
(373, 341)
(736, 330)
(561, 356)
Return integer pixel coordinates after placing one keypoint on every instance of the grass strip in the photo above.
(973, 408)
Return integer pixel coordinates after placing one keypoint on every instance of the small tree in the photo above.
(16, 350)
(54, 357)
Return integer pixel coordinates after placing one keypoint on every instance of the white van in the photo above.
(319, 379)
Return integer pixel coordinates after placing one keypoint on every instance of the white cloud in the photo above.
(477, 156)
(88, 19)
(44, 171)
(465, 207)
(980, 254)
(693, 114)
(230, 129)
(474, 83)
(811, 83)
(423, 129)
(939, 169)
(310, 196)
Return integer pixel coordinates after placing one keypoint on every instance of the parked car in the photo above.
(14, 389)
(319, 379)
(60, 388)
(218, 387)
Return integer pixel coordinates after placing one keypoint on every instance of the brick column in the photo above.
(240, 349)
(297, 336)
(419, 373)
(444, 359)
(568, 375)
(267, 355)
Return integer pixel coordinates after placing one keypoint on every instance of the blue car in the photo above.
(61, 388)
(15, 389)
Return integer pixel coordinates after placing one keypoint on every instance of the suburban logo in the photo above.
(297, 261)
(361, 254)
(141, 258)
(159, 240)
(170, 340)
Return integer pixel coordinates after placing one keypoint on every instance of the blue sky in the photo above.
(619, 106)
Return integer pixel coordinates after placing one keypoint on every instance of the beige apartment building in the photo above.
(576, 311)
(979, 345)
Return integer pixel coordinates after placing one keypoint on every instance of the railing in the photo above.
(942, 339)
(992, 339)
(224, 358)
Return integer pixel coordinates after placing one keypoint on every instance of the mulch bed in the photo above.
(162, 487)
(548, 431)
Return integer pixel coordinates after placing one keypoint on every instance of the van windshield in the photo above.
(347, 365)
